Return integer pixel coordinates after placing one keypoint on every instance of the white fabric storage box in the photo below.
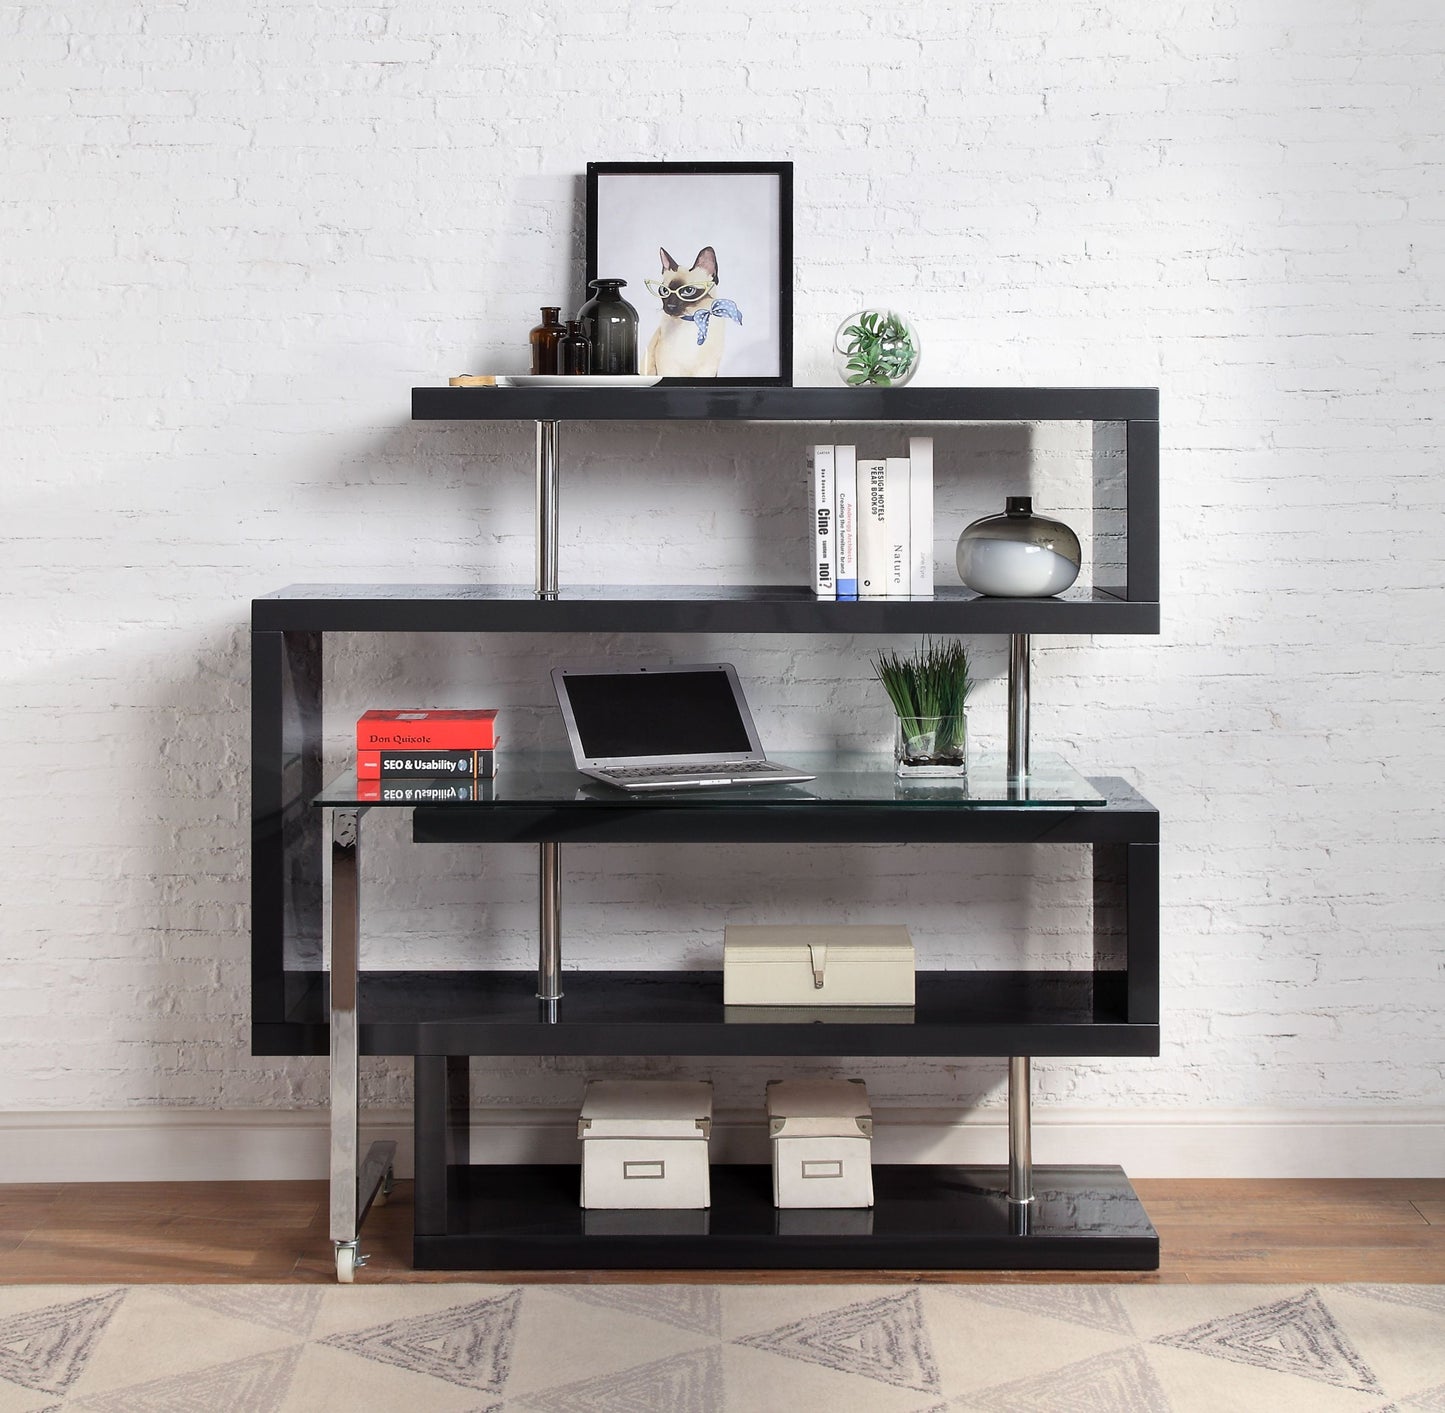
(817, 966)
(822, 1132)
(644, 1143)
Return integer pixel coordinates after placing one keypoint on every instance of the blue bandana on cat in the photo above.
(723, 308)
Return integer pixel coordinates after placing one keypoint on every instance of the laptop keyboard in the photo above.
(689, 768)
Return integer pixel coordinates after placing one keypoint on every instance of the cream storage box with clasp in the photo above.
(822, 1132)
(644, 1143)
(817, 966)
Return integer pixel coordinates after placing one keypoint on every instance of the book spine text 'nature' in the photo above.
(896, 522)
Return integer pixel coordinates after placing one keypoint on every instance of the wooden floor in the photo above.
(1286, 1232)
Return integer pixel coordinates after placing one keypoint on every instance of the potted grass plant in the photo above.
(929, 690)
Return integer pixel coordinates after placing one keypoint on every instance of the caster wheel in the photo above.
(346, 1263)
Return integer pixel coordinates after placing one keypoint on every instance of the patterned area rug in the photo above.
(706, 1349)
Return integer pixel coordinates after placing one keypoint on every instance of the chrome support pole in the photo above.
(1018, 706)
(343, 921)
(546, 534)
(549, 930)
(1020, 1132)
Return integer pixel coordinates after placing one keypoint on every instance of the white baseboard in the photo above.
(187, 1145)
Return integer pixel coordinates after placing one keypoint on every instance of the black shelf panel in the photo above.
(958, 1013)
(923, 1218)
(670, 608)
(719, 817)
(831, 404)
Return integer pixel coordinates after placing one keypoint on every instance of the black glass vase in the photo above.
(610, 324)
(576, 352)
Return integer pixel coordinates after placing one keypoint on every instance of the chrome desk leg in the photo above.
(1020, 1134)
(549, 959)
(549, 930)
(353, 1186)
(547, 487)
(1018, 706)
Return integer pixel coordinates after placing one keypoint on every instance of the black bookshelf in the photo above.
(1107, 1009)
(833, 404)
(659, 608)
(924, 1217)
(507, 1217)
(956, 1013)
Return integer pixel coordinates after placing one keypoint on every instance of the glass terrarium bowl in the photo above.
(876, 348)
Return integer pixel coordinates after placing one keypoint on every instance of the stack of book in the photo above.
(425, 757)
(872, 522)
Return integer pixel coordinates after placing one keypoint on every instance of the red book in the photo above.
(427, 731)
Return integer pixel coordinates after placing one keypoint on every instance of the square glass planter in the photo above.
(930, 747)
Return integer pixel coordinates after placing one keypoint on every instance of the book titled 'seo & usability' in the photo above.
(428, 765)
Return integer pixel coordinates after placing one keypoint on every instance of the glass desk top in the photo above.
(862, 779)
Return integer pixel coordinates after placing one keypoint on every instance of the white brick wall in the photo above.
(233, 236)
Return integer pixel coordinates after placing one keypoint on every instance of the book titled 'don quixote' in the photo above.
(427, 731)
(430, 765)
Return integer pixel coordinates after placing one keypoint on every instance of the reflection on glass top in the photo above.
(540, 778)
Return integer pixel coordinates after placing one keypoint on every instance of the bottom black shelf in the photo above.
(923, 1218)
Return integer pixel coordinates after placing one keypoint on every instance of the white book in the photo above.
(897, 524)
(821, 482)
(845, 467)
(872, 528)
(920, 516)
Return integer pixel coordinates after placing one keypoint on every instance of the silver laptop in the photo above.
(665, 728)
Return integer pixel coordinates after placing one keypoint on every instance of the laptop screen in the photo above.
(656, 714)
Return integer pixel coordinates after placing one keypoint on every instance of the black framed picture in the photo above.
(706, 249)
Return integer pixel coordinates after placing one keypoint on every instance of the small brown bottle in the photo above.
(547, 342)
(576, 349)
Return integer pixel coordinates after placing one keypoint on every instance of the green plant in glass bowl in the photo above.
(929, 690)
(876, 348)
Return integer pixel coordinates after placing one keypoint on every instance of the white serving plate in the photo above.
(578, 380)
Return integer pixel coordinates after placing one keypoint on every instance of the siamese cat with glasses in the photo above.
(690, 333)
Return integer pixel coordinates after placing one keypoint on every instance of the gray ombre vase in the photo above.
(1018, 555)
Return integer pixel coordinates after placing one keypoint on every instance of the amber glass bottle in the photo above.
(547, 342)
(576, 350)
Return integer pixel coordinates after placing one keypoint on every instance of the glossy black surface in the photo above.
(956, 1013)
(923, 1218)
(739, 816)
(824, 404)
(674, 608)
